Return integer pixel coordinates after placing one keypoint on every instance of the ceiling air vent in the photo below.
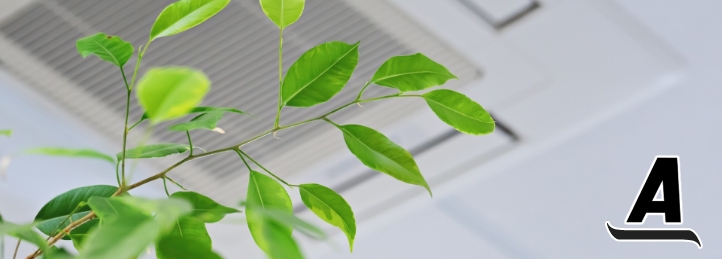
(238, 50)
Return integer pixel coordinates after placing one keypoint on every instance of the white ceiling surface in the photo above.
(554, 204)
(594, 95)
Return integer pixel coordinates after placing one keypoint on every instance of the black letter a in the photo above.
(665, 174)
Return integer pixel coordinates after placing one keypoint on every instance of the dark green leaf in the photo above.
(280, 243)
(183, 15)
(381, 154)
(171, 92)
(23, 232)
(283, 12)
(204, 208)
(188, 240)
(56, 211)
(411, 73)
(154, 150)
(331, 207)
(6, 132)
(109, 48)
(319, 74)
(204, 121)
(460, 112)
(265, 193)
(69, 152)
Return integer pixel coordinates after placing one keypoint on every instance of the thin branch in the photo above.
(190, 143)
(264, 169)
(17, 247)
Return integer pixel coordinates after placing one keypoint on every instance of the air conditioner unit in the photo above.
(541, 68)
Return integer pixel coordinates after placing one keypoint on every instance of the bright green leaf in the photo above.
(80, 233)
(54, 214)
(319, 74)
(283, 12)
(183, 15)
(331, 207)
(109, 48)
(6, 132)
(411, 73)
(204, 208)
(204, 121)
(280, 243)
(23, 232)
(460, 112)
(154, 150)
(381, 154)
(171, 92)
(189, 239)
(69, 152)
(265, 193)
(165, 211)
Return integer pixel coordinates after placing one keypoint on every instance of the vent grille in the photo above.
(237, 49)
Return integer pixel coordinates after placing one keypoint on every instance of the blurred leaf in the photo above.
(23, 232)
(292, 221)
(189, 239)
(56, 211)
(204, 208)
(69, 152)
(381, 154)
(200, 109)
(6, 132)
(331, 207)
(283, 12)
(265, 193)
(56, 253)
(460, 112)
(319, 74)
(207, 121)
(80, 233)
(154, 150)
(183, 15)
(171, 92)
(124, 232)
(165, 211)
(109, 48)
(280, 243)
(411, 73)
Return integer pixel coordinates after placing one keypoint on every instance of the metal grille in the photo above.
(237, 49)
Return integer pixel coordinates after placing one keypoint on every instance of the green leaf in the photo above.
(80, 233)
(319, 74)
(200, 109)
(381, 154)
(283, 12)
(331, 207)
(154, 150)
(109, 48)
(280, 243)
(57, 210)
(265, 193)
(69, 152)
(6, 132)
(165, 211)
(56, 253)
(171, 92)
(204, 121)
(204, 208)
(183, 15)
(189, 239)
(23, 232)
(460, 112)
(124, 232)
(411, 73)
(292, 221)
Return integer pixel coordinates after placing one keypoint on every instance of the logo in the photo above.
(663, 176)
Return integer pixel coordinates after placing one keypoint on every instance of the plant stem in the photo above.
(280, 79)
(238, 151)
(264, 169)
(17, 247)
(361, 93)
(165, 187)
(176, 183)
(190, 143)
